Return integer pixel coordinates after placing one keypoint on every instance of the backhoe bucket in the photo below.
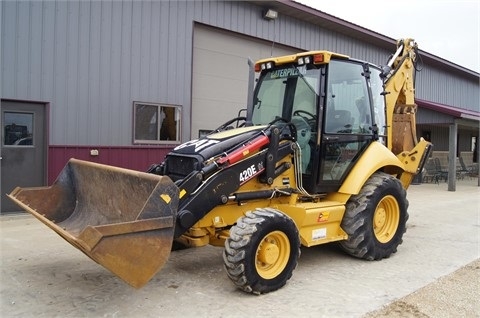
(122, 219)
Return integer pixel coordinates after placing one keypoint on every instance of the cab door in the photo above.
(347, 127)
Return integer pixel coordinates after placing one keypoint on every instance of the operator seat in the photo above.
(339, 121)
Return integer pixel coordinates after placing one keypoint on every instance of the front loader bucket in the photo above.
(122, 219)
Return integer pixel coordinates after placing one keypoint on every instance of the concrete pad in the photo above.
(42, 275)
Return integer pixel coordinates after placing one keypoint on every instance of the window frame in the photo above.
(158, 141)
(31, 134)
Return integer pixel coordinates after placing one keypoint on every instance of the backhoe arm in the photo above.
(401, 110)
(400, 97)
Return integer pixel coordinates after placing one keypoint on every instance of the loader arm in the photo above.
(212, 186)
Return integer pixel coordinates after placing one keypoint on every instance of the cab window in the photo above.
(347, 103)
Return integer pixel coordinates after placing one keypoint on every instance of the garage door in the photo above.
(220, 74)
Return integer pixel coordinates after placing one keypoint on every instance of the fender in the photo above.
(376, 157)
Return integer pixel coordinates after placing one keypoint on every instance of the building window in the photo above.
(156, 123)
(18, 129)
(427, 135)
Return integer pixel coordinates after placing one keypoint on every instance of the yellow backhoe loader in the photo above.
(325, 153)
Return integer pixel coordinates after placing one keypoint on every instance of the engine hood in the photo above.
(215, 144)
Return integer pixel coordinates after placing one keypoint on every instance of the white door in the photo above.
(220, 74)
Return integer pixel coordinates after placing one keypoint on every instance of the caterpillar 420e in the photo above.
(325, 153)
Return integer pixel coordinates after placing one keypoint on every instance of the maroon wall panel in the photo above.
(135, 158)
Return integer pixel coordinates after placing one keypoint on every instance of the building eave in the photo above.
(325, 20)
(449, 110)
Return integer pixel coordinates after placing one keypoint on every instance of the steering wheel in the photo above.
(308, 116)
(240, 122)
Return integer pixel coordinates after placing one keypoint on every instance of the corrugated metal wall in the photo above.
(447, 88)
(440, 136)
(92, 59)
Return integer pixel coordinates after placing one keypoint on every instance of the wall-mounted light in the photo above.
(270, 14)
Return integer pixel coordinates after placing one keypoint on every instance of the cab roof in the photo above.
(292, 58)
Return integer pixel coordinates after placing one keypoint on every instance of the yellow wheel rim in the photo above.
(272, 255)
(386, 219)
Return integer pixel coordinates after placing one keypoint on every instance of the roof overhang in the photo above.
(311, 15)
(449, 110)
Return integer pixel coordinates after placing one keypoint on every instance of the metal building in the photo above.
(95, 79)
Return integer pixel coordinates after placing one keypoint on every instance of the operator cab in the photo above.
(336, 105)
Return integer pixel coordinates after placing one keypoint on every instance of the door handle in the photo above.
(331, 138)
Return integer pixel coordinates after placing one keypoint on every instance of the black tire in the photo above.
(262, 251)
(178, 246)
(375, 219)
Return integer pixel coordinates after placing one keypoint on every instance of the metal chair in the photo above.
(470, 171)
(430, 172)
(443, 174)
(462, 171)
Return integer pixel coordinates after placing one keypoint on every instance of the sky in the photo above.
(449, 29)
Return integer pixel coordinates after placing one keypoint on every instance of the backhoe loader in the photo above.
(325, 153)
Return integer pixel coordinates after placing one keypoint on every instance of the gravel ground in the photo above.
(454, 295)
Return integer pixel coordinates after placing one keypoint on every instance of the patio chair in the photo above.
(471, 171)
(430, 172)
(443, 174)
(462, 171)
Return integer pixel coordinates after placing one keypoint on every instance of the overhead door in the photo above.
(220, 74)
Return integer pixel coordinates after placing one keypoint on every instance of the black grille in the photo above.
(178, 167)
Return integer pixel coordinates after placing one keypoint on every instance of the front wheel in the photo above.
(375, 219)
(262, 251)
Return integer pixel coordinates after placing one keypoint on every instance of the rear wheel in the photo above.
(375, 219)
(262, 251)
